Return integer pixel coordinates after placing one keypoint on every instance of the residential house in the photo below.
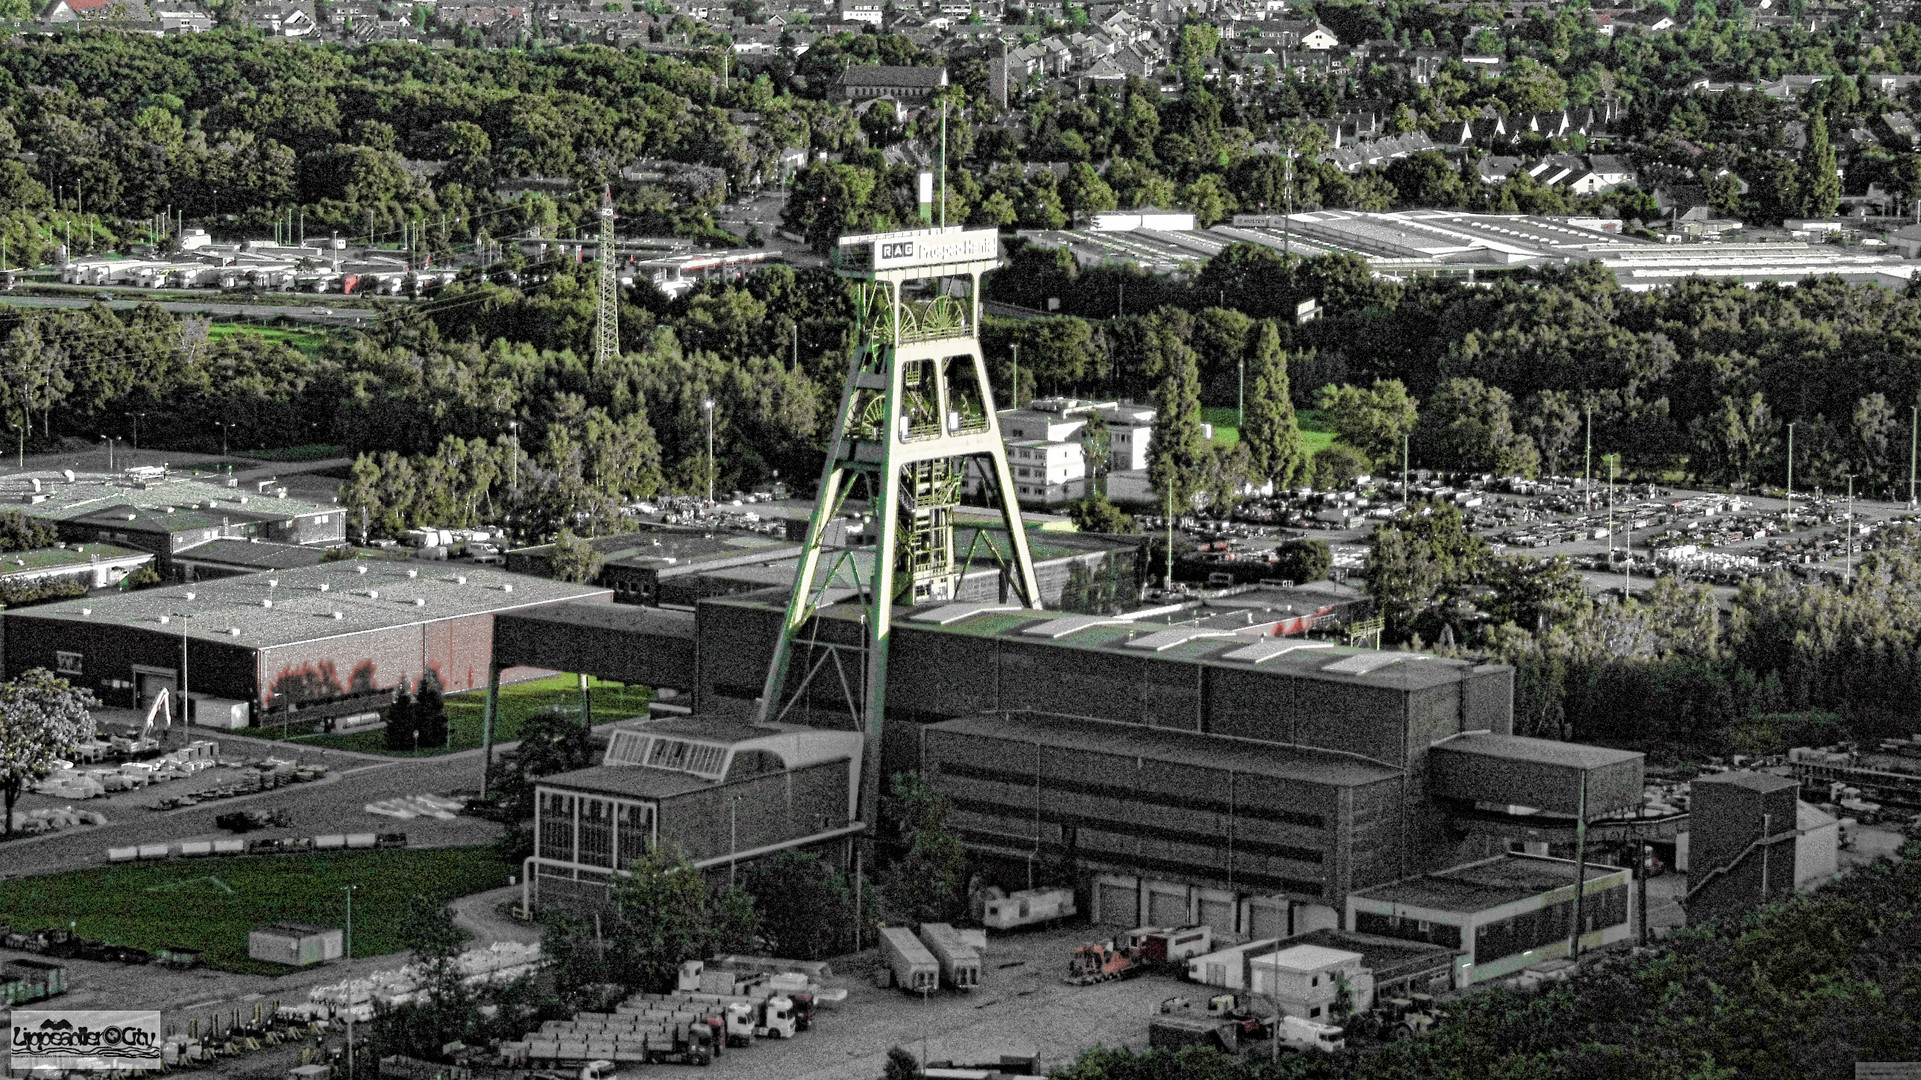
(181, 17)
(857, 83)
(1900, 131)
(872, 12)
(62, 12)
(281, 20)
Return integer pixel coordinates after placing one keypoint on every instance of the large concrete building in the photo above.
(303, 636)
(1180, 765)
(151, 509)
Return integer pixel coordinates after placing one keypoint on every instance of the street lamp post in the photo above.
(1014, 391)
(110, 441)
(1850, 576)
(514, 426)
(136, 428)
(1790, 469)
(225, 427)
(707, 406)
(347, 954)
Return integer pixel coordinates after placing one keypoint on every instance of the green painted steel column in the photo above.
(586, 703)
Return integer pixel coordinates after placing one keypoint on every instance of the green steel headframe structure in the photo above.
(916, 410)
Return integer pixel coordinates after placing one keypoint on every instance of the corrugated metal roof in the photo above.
(1362, 663)
(1068, 624)
(1180, 635)
(952, 613)
(1262, 651)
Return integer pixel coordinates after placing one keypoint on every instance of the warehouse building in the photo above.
(659, 565)
(1502, 914)
(721, 793)
(302, 637)
(1179, 765)
(95, 566)
(150, 509)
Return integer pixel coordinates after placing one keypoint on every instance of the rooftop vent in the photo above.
(336, 615)
(273, 583)
(360, 568)
(413, 573)
(86, 611)
(188, 596)
(460, 579)
(420, 601)
(324, 586)
(266, 603)
(164, 620)
(507, 586)
(233, 631)
(373, 594)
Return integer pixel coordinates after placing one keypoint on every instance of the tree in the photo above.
(901, 1065)
(573, 559)
(18, 532)
(1372, 420)
(1270, 431)
(1418, 557)
(669, 914)
(1554, 423)
(430, 710)
(551, 741)
(1820, 185)
(806, 905)
(1533, 592)
(443, 1010)
(1175, 448)
(42, 717)
(1334, 466)
(1096, 514)
(1468, 426)
(924, 883)
(1303, 560)
(1086, 193)
(403, 728)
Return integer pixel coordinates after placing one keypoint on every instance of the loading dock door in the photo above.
(1166, 908)
(1266, 920)
(149, 684)
(1218, 914)
(1120, 904)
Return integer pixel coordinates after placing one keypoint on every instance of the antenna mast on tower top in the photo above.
(607, 325)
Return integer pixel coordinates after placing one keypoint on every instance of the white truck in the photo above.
(1312, 1034)
(913, 968)
(959, 963)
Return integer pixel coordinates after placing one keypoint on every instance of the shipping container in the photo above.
(959, 963)
(913, 967)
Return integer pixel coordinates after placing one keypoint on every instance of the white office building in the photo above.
(1047, 446)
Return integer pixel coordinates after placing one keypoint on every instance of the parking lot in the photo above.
(1022, 1005)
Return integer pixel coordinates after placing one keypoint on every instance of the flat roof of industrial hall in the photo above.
(333, 599)
(170, 502)
(1480, 886)
(1170, 745)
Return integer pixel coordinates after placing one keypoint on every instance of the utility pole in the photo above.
(1610, 511)
(1914, 444)
(514, 426)
(1014, 393)
(1170, 534)
(347, 954)
(1407, 498)
(110, 441)
(797, 346)
(1240, 413)
(1790, 469)
(707, 406)
(943, 163)
(1587, 462)
(1850, 528)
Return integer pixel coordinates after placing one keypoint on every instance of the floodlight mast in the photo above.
(916, 408)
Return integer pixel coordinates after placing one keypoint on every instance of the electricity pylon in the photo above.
(607, 325)
(917, 407)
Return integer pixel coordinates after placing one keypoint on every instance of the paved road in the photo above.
(334, 805)
(297, 313)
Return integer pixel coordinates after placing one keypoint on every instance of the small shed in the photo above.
(295, 944)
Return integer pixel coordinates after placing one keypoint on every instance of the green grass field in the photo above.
(1227, 432)
(307, 341)
(211, 904)
(466, 711)
(305, 452)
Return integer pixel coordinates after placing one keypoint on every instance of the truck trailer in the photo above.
(959, 963)
(914, 968)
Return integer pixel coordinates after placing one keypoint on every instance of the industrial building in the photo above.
(1744, 831)
(300, 637)
(96, 566)
(150, 509)
(664, 564)
(1500, 914)
(1047, 446)
(1453, 243)
(719, 793)
(1183, 765)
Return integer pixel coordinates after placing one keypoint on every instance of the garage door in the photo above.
(1218, 914)
(151, 685)
(1166, 909)
(1266, 920)
(1120, 905)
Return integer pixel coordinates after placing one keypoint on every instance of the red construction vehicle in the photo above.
(1103, 961)
(1248, 1025)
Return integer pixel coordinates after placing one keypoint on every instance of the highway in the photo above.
(303, 313)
